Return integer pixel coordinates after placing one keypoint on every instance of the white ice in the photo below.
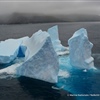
(80, 50)
(9, 49)
(41, 60)
(54, 35)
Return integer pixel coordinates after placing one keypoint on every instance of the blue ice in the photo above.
(40, 61)
(10, 49)
(54, 35)
(80, 50)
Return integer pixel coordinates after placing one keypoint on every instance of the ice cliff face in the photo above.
(37, 57)
(80, 50)
(10, 49)
(54, 35)
(41, 60)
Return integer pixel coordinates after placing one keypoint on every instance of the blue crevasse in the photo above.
(21, 51)
(10, 48)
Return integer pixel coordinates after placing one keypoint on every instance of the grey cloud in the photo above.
(51, 8)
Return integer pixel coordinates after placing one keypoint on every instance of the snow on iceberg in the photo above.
(54, 35)
(10, 49)
(80, 50)
(41, 61)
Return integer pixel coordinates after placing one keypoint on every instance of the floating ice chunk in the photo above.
(84, 70)
(41, 60)
(63, 74)
(54, 35)
(9, 49)
(11, 70)
(80, 50)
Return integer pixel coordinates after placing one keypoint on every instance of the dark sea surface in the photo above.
(79, 82)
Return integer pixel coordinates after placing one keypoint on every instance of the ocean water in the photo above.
(84, 85)
(73, 84)
(25, 88)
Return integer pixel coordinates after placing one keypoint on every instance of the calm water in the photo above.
(83, 85)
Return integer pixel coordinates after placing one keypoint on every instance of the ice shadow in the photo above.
(41, 90)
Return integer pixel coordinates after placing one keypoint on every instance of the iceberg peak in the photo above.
(54, 35)
(80, 50)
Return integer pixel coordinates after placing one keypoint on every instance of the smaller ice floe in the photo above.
(10, 71)
(54, 35)
(41, 60)
(80, 50)
(10, 49)
(63, 73)
(57, 88)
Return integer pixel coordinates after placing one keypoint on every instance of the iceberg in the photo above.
(10, 49)
(54, 35)
(41, 61)
(80, 50)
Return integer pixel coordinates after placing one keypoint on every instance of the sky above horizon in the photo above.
(50, 7)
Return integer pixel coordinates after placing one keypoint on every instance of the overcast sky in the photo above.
(50, 7)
